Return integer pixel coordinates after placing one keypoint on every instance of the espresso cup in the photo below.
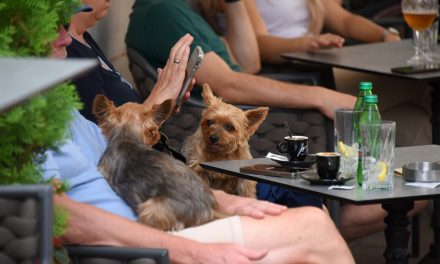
(327, 164)
(296, 147)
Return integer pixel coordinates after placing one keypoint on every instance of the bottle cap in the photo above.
(365, 86)
(371, 99)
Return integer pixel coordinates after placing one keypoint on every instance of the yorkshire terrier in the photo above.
(223, 134)
(164, 192)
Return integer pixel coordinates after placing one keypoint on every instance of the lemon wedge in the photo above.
(382, 167)
(345, 150)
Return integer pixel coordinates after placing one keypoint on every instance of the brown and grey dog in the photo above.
(162, 190)
(223, 134)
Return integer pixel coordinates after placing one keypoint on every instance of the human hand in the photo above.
(323, 41)
(391, 37)
(330, 100)
(237, 205)
(228, 254)
(171, 77)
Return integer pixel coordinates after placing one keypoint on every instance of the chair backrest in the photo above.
(26, 224)
(303, 122)
(144, 74)
(117, 255)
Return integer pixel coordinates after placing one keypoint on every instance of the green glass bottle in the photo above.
(364, 89)
(369, 114)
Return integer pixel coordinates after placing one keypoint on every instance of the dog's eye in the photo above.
(209, 122)
(229, 127)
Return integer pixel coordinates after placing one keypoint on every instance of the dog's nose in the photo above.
(213, 139)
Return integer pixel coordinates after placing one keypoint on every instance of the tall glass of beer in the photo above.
(419, 15)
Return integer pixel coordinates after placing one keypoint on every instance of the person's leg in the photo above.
(305, 234)
(287, 197)
(362, 220)
(299, 235)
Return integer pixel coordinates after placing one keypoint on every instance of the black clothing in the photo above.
(100, 80)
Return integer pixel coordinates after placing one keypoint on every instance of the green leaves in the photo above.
(30, 129)
(28, 27)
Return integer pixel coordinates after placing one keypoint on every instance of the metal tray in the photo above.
(421, 171)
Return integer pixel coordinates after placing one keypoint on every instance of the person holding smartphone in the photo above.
(104, 79)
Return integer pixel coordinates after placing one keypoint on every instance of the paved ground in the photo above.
(369, 250)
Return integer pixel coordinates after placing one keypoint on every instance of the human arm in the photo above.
(241, 88)
(171, 77)
(272, 46)
(354, 26)
(241, 38)
(89, 225)
(236, 205)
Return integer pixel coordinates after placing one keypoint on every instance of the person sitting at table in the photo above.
(223, 61)
(97, 216)
(278, 31)
(235, 87)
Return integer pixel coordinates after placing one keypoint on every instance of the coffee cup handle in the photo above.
(282, 147)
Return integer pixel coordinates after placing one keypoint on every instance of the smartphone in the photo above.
(193, 65)
(274, 170)
(430, 67)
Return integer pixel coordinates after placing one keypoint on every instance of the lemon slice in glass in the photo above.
(382, 168)
(345, 150)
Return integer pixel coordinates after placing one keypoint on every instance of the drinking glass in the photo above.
(419, 15)
(378, 141)
(347, 140)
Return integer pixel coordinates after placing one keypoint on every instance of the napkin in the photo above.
(341, 187)
(430, 185)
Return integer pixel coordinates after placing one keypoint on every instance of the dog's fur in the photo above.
(223, 134)
(164, 191)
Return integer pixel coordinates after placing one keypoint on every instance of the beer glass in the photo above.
(419, 15)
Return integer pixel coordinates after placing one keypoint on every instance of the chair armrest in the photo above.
(123, 254)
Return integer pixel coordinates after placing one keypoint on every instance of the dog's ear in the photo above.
(254, 119)
(162, 111)
(102, 107)
(208, 96)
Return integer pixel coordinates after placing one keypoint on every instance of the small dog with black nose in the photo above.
(223, 134)
(164, 192)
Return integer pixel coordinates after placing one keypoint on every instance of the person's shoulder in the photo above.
(159, 7)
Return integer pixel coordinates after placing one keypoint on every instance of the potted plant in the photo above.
(28, 28)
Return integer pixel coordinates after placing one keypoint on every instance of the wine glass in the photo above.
(419, 15)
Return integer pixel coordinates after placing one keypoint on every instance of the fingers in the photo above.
(177, 51)
(330, 40)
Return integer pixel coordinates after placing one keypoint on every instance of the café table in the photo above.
(397, 202)
(373, 58)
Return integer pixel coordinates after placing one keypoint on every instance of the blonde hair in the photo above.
(317, 14)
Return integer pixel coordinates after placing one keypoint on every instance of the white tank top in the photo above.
(285, 18)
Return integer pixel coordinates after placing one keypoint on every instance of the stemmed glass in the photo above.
(420, 15)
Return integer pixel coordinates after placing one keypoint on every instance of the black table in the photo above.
(397, 202)
(379, 58)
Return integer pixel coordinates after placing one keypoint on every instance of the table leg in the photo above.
(396, 231)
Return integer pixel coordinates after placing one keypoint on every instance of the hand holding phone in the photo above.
(193, 65)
